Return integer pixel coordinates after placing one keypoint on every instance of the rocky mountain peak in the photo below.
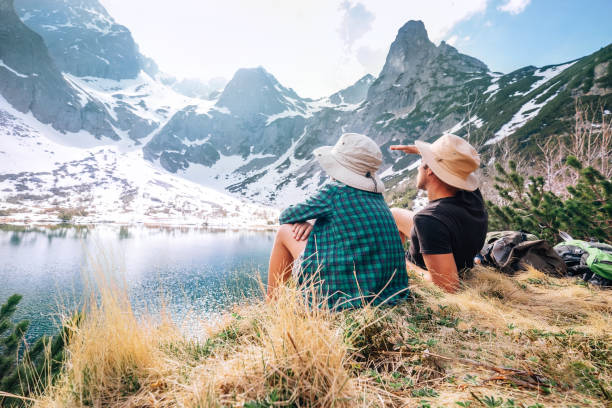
(411, 41)
(254, 91)
(413, 29)
(355, 93)
(408, 55)
(252, 77)
(30, 81)
(413, 58)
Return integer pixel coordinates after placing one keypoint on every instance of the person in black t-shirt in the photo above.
(446, 234)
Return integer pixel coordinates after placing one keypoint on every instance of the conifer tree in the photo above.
(23, 367)
(586, 214)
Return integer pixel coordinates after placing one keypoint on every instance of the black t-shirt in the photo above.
(455, 224)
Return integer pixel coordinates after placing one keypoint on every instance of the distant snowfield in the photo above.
(111, 182)
(225, 173)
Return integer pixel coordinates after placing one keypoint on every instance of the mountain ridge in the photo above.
(254, 137)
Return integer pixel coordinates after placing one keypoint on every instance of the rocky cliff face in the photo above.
(254, 117)
(354, 94)
(91, 77)
(83, 39)
(30, 81)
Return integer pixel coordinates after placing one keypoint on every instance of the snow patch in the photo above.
(222, 109)
(546, 76)
(420, 201)
(527, 112)
(285, 114)
(390, 172)
(19, 74)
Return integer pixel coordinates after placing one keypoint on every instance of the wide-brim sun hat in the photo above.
(354, 161)
(452, 159)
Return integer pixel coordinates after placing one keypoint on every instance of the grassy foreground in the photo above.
(527, 341)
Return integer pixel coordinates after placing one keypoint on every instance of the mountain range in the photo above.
(75, 76)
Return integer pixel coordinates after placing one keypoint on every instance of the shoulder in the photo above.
(331, 189)
(326, 193)
(470, 197)
(336, 188)
(429, 221)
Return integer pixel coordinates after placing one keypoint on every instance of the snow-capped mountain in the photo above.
(253, 137)
(83, 39)
(41, 176)
(69, 141)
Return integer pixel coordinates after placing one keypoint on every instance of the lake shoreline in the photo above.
(187, 269)
(6, 225)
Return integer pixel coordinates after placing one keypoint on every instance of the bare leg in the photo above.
(403, 219)
(285, 250)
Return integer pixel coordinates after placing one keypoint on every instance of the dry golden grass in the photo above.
(498, 342)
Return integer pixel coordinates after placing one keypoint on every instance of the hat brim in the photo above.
(332, 167)
(469, 184)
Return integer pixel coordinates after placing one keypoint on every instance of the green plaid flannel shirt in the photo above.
(354, 249)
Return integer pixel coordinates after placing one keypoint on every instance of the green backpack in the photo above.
(581, 255)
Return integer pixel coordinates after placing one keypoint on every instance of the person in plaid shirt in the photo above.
(353, 253)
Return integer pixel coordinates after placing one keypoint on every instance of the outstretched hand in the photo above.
(301, 230)
(409, 149)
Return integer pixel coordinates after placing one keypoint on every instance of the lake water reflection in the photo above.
(198, 273)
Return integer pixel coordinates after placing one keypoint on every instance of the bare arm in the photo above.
(409, 149)
(443, 271)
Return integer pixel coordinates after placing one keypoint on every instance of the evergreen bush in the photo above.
(585, 214)
(24, 368)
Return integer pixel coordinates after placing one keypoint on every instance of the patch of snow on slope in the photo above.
(223, 175)
(494, 87)
(311, 108)
(19, 74)
(527, 112)
(146, 97)
(475, 120)
(390, 172)
(420, 201)
(291, 192)
(546, 76)
(285, 114)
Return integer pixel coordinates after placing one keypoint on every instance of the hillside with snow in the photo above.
(41, 176)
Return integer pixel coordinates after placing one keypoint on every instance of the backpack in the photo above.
(590, 260)
(511, 251)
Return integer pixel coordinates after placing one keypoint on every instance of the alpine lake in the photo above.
(192, 274)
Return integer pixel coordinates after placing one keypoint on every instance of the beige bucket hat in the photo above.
(354, 160)
(452, 159)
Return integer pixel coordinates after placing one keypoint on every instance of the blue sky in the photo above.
(320, 46)
(545, 32)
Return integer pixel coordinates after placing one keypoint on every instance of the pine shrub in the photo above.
(585, 214)
(26, 368)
